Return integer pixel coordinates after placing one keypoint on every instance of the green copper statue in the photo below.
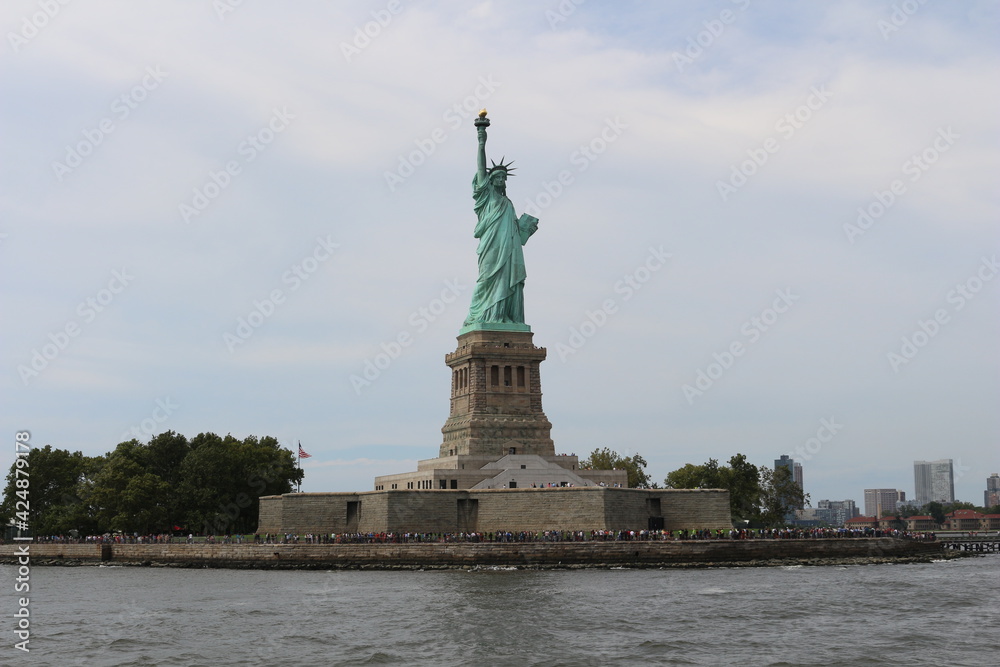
(498, 299)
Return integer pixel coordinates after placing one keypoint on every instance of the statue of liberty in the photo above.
(498, 298)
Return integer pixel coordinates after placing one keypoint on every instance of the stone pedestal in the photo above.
(496, 397)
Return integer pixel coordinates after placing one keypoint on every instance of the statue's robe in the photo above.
(499, 292)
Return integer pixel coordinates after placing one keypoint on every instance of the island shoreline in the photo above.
(491, 555)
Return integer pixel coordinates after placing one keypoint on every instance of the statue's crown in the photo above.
(506, 168)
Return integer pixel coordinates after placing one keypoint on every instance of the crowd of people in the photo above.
(498, 536)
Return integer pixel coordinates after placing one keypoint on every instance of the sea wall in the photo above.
(461, 554)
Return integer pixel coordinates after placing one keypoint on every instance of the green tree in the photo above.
(741, 478)
(55, 506)
(126, 496)
(605, 459)
(706, 476)
(222, 479)
(779, 496)
(935, 510)
(209, 484)
(958, 505)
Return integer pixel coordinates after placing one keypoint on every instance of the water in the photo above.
(943, 613)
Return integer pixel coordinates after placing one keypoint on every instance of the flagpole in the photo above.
(298, 464)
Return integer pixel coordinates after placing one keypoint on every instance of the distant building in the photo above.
(797, 476)
(891, 523)
(991, 498)
(812, 516)
(934, 481)
(879, 502)
(794, 471)
(839, 511)
(786, 462)
(862, 522)
(963, 520)
(921, 522)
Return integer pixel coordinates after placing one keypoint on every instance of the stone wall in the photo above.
(568, 508)
(69, 551)
(693, 509)
(451, 511)
(648, 554)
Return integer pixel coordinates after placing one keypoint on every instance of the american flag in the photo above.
(302, 453)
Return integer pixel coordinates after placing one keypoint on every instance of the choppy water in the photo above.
(945, 613)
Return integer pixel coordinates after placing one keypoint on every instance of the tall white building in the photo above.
(934, 481)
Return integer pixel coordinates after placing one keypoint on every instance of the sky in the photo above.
(765, 227)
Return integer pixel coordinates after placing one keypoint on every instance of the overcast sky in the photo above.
(760, 223)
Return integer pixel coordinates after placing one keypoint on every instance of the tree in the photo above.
(741, 478)
(705, 476)
(779, 496)
(935, 510)
(126, 496)
(957, 505)
(54, 505)
(605, 459)
(224, 477)
(209, 484)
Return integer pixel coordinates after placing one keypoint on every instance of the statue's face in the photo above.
(498, 177)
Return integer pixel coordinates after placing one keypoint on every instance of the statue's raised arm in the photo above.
(481, 124)
(498, 299)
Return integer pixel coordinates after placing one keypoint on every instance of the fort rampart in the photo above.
(451, 511)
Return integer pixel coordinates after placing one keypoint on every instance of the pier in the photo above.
(972, 543)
